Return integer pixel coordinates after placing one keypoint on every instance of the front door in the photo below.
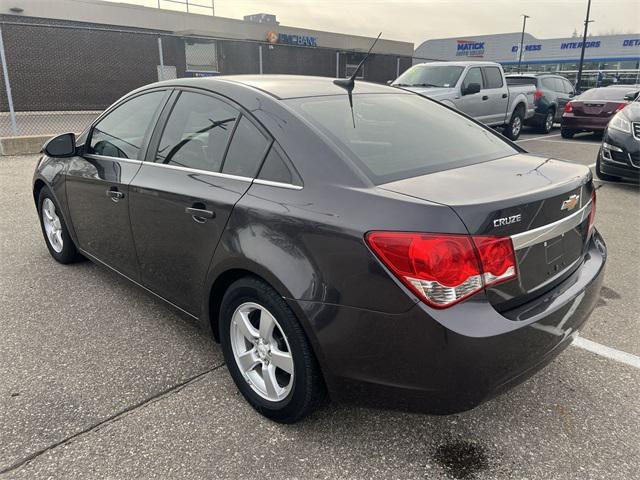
(473, 104)
(97, 182)
(198, 167)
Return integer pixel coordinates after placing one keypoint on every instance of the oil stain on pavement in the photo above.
(462, 459)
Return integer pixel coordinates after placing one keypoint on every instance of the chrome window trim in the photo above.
(200, 172)
(271, 183)
(113, 159)
(552, 230)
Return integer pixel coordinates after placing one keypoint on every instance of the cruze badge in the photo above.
(570, 203)
(500, 222)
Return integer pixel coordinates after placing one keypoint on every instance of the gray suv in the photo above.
(552, 93)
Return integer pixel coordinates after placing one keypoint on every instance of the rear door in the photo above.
(495, 95)
(562, 89)
(97, 182)
(202, 159)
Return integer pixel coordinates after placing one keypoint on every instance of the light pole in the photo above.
(524, 23)
(584, 41)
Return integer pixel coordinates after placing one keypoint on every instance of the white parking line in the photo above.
(608, 352)
(537, 138)
(592, 165)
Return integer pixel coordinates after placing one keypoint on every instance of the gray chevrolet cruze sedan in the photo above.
(399, 254)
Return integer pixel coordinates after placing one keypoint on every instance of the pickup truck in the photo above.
(478, 89)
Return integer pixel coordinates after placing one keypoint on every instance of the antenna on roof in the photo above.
(349, 83)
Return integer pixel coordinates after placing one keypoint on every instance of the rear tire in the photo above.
(275, 393)
(547, 122)
(600, 174)
(567, 133)
(514, 128)
(54, 229)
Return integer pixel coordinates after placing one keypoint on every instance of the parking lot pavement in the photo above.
(102, 381)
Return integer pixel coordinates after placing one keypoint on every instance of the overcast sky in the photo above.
(419, 20)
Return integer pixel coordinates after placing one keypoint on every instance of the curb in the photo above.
(22, 145)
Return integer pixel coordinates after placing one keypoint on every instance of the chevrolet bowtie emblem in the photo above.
(570, 203)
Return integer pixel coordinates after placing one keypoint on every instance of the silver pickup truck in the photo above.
(478, 89)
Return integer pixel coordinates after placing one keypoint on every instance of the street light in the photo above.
(524, 23)
(584, 42)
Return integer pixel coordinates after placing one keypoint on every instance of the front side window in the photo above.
(430, 76)
(122, 132)
(246, 151)
(474, 75)
(197, 132)
(400, 135)
(493, 75)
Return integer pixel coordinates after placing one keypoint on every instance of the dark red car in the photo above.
(592, 110)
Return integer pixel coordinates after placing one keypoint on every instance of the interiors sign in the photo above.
(299, 40)
(469, 48)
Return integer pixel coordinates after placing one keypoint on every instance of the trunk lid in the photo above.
(595, 108)
(541, 203)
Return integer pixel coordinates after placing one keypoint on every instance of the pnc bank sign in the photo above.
(299, 40)
(469, 48)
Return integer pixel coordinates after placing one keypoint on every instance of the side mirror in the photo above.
(631, 96)
(471, 89)
(61, 146)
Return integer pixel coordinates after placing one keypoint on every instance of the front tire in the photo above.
(514, 128)
(267, 352)
(54, 229)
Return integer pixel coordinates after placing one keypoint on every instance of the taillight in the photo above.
(620, 107)
(592, 213)
(538, 94)
(568, 108)
(444, 269)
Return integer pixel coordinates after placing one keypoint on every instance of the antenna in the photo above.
(349, 83)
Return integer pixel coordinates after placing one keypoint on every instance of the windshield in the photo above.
(430, 76)
(401, 135)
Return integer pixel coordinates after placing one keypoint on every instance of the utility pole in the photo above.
(584, 41)
(524, 23)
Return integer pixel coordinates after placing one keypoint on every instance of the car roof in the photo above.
(285, 86)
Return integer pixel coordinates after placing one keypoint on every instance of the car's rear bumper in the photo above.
(574, 122)
(411, 360)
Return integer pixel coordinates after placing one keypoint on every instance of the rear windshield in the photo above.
(521, 81)
(605, 94)
(401, 135)
(430, 76)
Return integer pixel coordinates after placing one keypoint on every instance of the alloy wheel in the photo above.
(548, 122)
(52, 225)
(261, 351)
(516, 126)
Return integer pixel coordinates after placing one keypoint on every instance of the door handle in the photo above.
(504, 95)
(115, 194)
(485, 97)
(199, 212)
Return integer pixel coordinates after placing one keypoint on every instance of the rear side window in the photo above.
(400, 135)
(276, 169)
(474, 75)
(122, 132)
(197, 132)
(493, 77)
(549, 83)
(246, 151)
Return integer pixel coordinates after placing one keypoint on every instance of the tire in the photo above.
(514, 128)
(54, 229)
(292, 396)
(547, 122)
(567, 133)
(600, 174)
